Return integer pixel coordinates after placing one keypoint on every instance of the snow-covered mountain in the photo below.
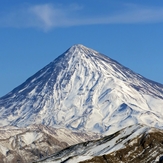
(84, 90)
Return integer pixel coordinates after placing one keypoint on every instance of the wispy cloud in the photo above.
(138, 14)
(44, 16)
(48, 16)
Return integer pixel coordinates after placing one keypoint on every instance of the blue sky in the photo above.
(33, 33)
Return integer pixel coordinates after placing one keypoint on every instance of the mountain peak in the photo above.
(79, 49)
(78, 46)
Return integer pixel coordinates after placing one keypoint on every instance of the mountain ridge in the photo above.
(137, 143)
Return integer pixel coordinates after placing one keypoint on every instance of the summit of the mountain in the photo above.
(80, 47)
(78, 50)
(84, 90)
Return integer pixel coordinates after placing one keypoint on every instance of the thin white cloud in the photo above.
(44, 16)
(138, 14)
(48, 16)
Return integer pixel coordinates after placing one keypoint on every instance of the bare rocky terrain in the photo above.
(146, 148)
(35, 142)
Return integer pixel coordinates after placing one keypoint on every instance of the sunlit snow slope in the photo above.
(84, 90)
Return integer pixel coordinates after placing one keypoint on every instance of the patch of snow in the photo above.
(3, 150)
(30, 137)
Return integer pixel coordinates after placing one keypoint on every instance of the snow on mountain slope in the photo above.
(133, 144)
(84, 90)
